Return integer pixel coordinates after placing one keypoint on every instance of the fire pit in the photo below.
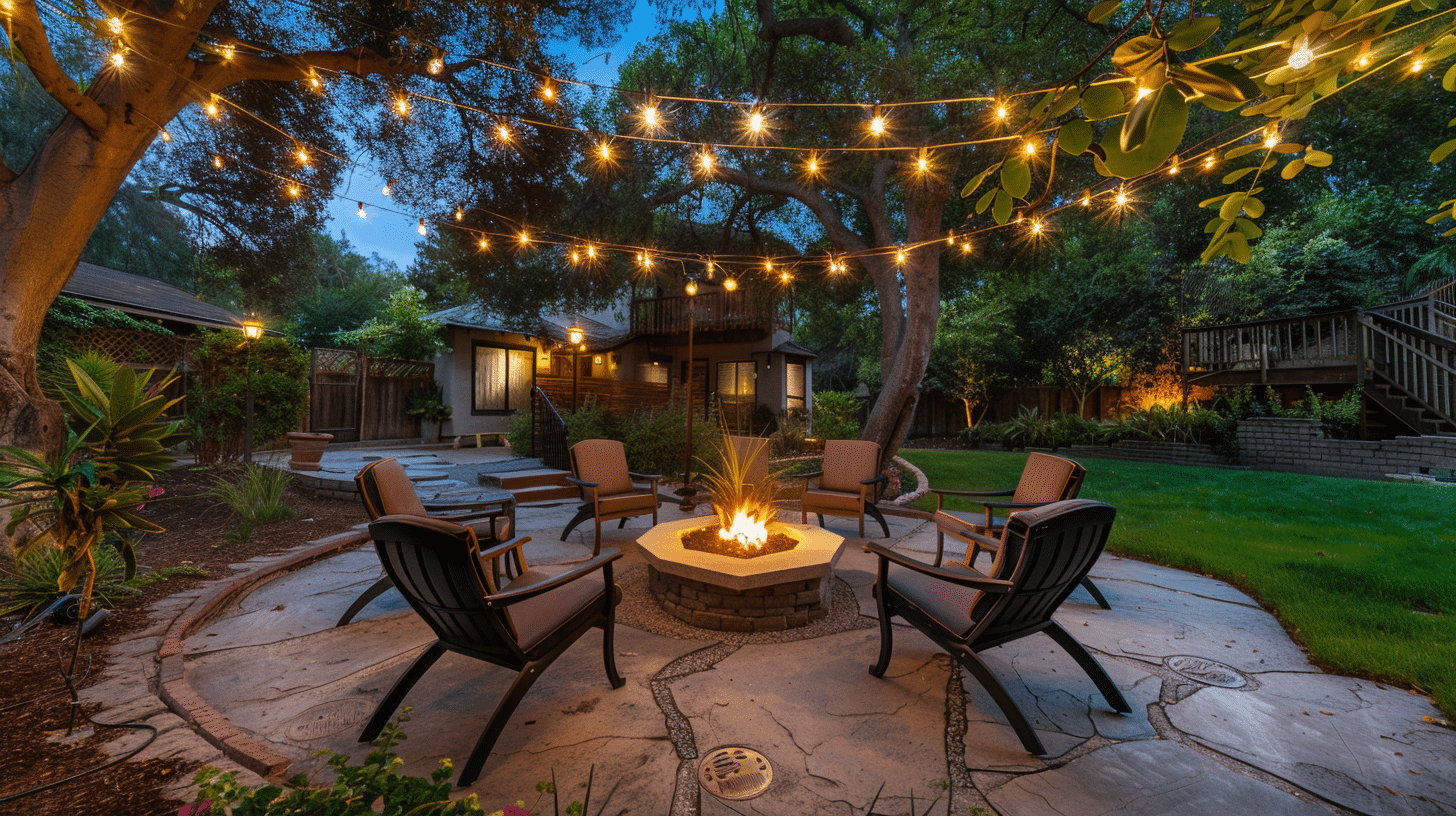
(763, 593)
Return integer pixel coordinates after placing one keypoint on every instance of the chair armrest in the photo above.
(513, 596)
(506, 546)
(962, 529)
(644, 477)
(807, 476)
(510, 548)
(1018, 505)
(432, 506)
(580, 482)
(977, 581)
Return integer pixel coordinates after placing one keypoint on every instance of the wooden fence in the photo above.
(356, 397)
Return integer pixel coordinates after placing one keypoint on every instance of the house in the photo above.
(145, 299)
(634, 356)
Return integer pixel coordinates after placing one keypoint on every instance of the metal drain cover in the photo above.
(327, 718)
(735, 772)
(1208, 672)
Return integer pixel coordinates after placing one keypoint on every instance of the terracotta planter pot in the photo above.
(307, 449)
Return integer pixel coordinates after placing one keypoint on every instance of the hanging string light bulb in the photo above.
(212, 109)
(315, 82)
(1173, 168)
(785, 278)
(877, 124)
(503, 133)
(1302, 55)
(811, 165)
(436, 66)
(524, 238)
(651, 118)
(166, 137)
(1029, 148)
(483, 243)
(388, 187)
(1121, 198)
(459, 214)
(401, 105)
(302, 156)
(1208, 162)
(118, 58)
(730, 284)
(1086, 198)
(114, 25)
(422, 229)
(900, 256)
(604, 151)
(362, 214)
(591, 252)
(228, 52)
(294, 191)
(217, 162)
(548, 92)
(691, 288)
(922, 164)
(705, 161)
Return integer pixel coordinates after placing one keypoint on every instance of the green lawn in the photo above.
(1363, 573)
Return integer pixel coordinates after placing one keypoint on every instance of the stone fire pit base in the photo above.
(771, 608)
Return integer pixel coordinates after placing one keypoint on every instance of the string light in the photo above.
(591, 251)
(604, 150)
(212, 107)
(1036, 226)
(900, 256)
(436, 66)
(1271, 139)
(877, 124)
(1086, 198)
(166, 137)
(484, 243)
(966, 247)
(1208, 162)
(118, 60)
(811, 165)
(1142, 93)
(1363, 61)
(314, 80)
(922, 165)
(503, 133)
(1416, 66)
(1301, 56)
(302, 156)
(362, 214)
(294, 192)
(401, 105)
(387, 186)
(524, 238)
(691, 288)
(645, 259)
(1001, 112)
(217, 162)
(767, 265)
(459, 214)
(422, 229)
(705, 160)
(1121, 198)
(1173, 168)
(729, 284)
(785, 277)
(113, 23)
(228, 52)
(651, 119)
(548, 92)
(1029, 148)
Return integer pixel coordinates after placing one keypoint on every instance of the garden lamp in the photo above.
(574, 335)
(252, 330)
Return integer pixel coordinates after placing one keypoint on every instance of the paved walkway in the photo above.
(1228, 714)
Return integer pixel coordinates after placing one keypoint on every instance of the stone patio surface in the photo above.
(1229, 716)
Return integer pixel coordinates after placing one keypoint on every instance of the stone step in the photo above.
(427, 475)
(517, 479)
(530, 495)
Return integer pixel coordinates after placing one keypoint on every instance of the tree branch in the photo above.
(27, 35)
(832, 30)
(842, 237)
(671, 196)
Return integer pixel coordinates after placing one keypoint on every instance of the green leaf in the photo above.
(1138, 55)
(1002, 209)
(1189, 34)
(1232, 206)
(1292, 169)
(1209, 83)
(1237, 174)
(1154, 128)
(1065, 102)
(975, 183)
(985, 200)
(1253, 207)
(1449, 80)
(1213, 224)
(1016, 177)
(1238, 247)
(1102, 102)
(1209, 202)
(1317, 158)
(1439, 154)
(1248, 228)
(1075, 136)
(1103, 10)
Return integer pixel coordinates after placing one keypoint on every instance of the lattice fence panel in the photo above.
(139, 349)
(335, 361)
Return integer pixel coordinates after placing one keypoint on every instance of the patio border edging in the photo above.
(178, 695)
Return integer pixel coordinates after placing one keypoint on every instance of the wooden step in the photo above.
(530, 495)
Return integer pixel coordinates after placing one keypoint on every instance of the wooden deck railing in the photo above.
(1419, 362)
(1298, 342)
(712, 311)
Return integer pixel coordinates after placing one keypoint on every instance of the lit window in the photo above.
(502, 378)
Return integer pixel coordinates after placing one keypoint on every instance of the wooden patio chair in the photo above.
(1044, 479)
(608, 490)
(849, 484)
(385, 490)
(1042, 555)
(522, 624)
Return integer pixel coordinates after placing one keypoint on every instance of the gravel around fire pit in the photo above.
(706, 539)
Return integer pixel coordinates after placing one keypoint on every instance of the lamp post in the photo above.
(687, 489)
(252, 330)
(574, 335)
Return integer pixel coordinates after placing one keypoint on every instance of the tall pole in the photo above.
(252, 330)
(574, 335)
(688, 491)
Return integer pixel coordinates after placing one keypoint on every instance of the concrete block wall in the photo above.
(1296, 446)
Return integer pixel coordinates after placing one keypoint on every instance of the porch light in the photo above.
(252, 329)
(575, 335)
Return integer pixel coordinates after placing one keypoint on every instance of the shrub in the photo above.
(255, 495)
(1028, 429)
(31, 584)
(518, 433)
(400, 330)
(792, 436)
(836, 415)
(216, 402)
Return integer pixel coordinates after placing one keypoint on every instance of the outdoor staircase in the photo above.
(534, 486)
(1404, 353)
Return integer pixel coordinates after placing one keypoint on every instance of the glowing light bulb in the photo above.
(1301, 56)
(923, 164)
(785, 277)
(1121, 198)
(212, 108)
(315, 81)
(1416, 66)
(302, 156)
(362, 214)
(705, 161)
(1208, 163)
(1036, 226)
(401, 106)
(113, 23)
(605, 151)
(422, 229)
(767, 265)
(966, 247)
(117, 60)
(436, 66)
(387, 187)
(1029, 148)
(503, 133)
(755, 123)
(1001, 112)
(812, 165)
(228, 52)
(575, 257)
(649, 117)
(459, 214)
(166, 137)
(1143, 93)
(217, 162)
(1086, 199)
(524, 239)
(548, 93)
(1173, 170)
(1271, 140)
(1363, 61)
(729, 284)
(877, 125)
(294, 191)
(950, 238)
(484, 243)
(646, 260)
(591, 251)
(691, 288)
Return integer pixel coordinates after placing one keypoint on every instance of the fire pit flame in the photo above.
(748, 531)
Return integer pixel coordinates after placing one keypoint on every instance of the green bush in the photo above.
(518, 433)
(654, 440)
(400, 330)
(836, 415)
(216, 401)
(30, 584)
(254, 493)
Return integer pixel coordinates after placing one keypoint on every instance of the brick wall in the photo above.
(1295, 446)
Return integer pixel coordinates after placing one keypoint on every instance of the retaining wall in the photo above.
(1295, 446)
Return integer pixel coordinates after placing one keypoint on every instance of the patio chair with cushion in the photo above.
(522, 624)
(1042, 555)
(608, 490)
(849, 484)
(1044, 479)
(385, 490)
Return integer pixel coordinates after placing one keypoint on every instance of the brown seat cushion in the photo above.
(949, 604)
(536, 618)
(847, 463)
(603, 461)
(641, 501)
(831, 500)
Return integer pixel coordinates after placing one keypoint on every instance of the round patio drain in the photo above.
(327, 718)
(1208, 672)
(734, 772)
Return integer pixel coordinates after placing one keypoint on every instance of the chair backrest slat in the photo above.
(753, 451)
(1047, 478)
(436, 566)
(1046, 552)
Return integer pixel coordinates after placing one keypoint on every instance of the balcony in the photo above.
(717, 316)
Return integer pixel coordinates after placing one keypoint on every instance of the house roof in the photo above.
(599, 335)
(790, 347)
(144, 297)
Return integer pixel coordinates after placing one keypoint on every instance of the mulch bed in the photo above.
(34, 705)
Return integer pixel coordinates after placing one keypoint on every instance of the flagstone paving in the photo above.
(1228, 714)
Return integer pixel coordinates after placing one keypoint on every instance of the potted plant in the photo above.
(429, 405)
(307, 449)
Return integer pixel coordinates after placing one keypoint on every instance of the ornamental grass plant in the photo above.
(1360, 572)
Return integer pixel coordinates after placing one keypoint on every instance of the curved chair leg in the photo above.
(583, 513)
(503, 711)
(400, 688)
(379, 587)
(1095, 593)
(623, 523)
(877, 516)
(1089, 664)
(978, 669)
(821, 518)
(887, 637)
(609, 629)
